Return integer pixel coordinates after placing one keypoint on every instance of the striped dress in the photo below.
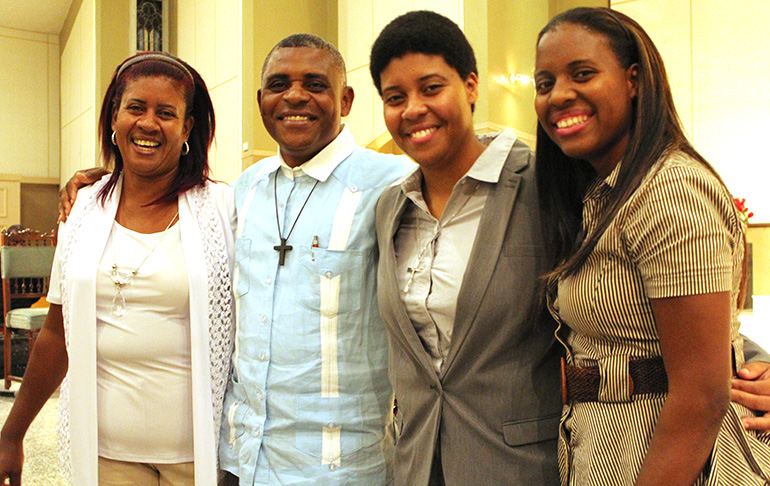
(677, 235)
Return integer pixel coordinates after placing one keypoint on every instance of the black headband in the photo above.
(622, 25)
(155, 57)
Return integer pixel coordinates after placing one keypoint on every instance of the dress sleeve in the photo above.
(682, 232)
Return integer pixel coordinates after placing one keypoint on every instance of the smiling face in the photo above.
(427, 109)
(150, 127)
(302, 101)
(584, 96)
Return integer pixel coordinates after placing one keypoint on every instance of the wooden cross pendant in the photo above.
(282, 249)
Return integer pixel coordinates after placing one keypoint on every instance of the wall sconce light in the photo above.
(520, 79)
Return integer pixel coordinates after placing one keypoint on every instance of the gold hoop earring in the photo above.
(114, 138)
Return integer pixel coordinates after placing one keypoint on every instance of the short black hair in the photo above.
(422, 32)
(315, 42)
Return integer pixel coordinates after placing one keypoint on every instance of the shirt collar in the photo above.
(487, 168)
(489, 165)
(602, 187)
(324, 162)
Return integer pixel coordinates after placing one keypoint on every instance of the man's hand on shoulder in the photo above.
(69, 192)
(752, 389)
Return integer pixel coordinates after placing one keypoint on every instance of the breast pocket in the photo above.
(335, 279)
(242, 252)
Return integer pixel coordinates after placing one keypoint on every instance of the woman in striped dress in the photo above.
(649, 254)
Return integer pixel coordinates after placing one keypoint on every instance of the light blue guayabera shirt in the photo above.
(310, 401)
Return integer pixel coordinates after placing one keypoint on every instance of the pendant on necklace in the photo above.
(119, 302)
(411, 271)
(282, 249)
(118, 305)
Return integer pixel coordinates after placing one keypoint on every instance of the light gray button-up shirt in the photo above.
(432, 254)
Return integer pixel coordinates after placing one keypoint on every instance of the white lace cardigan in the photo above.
(207, 220)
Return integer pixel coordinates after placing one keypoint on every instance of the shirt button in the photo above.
(330, 425)
(269, 281)
(264, 319)
(332, 467)
(258, 432)
(354, 189)
(260, 395)
(263, 356)
(329, 274)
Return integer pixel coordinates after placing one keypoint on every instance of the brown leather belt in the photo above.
(582, 384)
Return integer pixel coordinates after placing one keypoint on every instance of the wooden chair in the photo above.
(26, 257)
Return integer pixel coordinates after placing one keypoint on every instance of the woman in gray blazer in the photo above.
(460, 255)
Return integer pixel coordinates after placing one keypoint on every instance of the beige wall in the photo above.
(558, 6)
(512, 33)
(29, 127)
(29, 83)
(359, 24)
(307, 16)
(93, 42)
(475, 26)
(718, 75)
(114, 45)
(10, 199)
(79, 98)
(209, 38)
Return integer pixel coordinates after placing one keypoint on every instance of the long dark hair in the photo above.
(655, 130)
(194, 167)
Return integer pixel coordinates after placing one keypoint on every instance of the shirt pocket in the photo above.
(235, 417)
(327, 425)
(531, 431)
(334, 280)
(242, 252)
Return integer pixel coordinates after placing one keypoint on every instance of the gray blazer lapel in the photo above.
(487, 246)
(389, 211)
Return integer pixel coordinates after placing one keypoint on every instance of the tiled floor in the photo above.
(41, 462)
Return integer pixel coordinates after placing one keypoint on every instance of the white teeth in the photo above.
(296, 118)
(571, 121)
(422, 133)
(147, 143)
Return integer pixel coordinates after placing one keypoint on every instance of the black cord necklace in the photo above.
(283, 248)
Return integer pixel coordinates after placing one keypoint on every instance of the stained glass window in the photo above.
(149, 25)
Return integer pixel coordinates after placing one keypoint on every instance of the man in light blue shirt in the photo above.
(310, 401)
